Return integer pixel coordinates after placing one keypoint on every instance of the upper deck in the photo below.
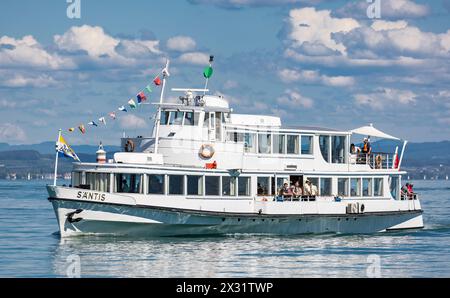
(204, 129)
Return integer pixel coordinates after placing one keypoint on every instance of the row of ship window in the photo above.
(198, 185)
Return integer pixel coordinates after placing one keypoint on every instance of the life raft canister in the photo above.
(129, 146)
(206, 151)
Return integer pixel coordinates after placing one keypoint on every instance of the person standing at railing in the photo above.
(366, 149)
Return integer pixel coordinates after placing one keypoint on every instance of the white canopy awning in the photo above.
(369, 130)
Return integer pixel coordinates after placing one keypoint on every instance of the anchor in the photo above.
(71, 214)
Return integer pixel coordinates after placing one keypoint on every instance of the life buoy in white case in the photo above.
(207, 151)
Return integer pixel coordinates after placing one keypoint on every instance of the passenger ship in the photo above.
(208, 170)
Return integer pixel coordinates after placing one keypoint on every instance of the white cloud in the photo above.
(293, 99)
(131, 121)
(27, 52)
(181, 43)
(233, 4)
(308, 26)
(314, 76)
(93, 40)
(11, 132)
(196, 58)
(385, 98)
(379, 25)
(20, 81)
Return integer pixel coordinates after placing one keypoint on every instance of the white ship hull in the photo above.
(116, 218)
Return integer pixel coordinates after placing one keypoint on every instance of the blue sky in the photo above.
(311, 62)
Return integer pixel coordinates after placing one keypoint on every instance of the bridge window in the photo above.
(165, 115)
(244, 186)
(156, 184)
(338, 149)
(212, 184)
(263, 186)
(378, 187)
(176, 184)
(343, 187)
(76, 179)
(324, 143)
(195, 185)
(367, 187)
(355, 187)
(325, 186)
(393, 186)
(176, 118)
(228, 186)
(264, 143)
(307, 145)
(279, 144)
(129, 183)
(292, 144)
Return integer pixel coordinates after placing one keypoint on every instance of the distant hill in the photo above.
(430, 159)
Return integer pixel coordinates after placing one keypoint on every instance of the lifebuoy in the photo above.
(206, 151)
(129, 146)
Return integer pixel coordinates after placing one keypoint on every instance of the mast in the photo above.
(56, 159)
(165, 74)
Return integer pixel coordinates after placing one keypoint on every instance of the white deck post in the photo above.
(401, 155)
(158, 117)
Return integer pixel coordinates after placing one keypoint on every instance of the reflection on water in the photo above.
(28, 247)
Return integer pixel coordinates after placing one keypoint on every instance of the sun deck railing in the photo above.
(376, 160)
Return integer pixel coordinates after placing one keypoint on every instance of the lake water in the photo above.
(29, 247)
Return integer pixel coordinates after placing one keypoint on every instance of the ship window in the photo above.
(393, 186)
(343, 187)
(228, 186)
(189, 118)
(244, 186)
(206, 122)
(292, 144)
(279, 144)
(263, 186)
(325, 186)
(355, 187)
(338, 149)
(264, 143)
(129, 183)
(367, 187)
(277, 188)
(212, 184)
(324, 143)
(307, 145)
(156, 184)
(98, 181)
(195, 185)
(176, 118)
(378, 187)
(76, 179)
(176, 184)
(250, 142)
(165, 115)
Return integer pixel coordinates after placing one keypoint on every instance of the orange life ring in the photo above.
(129, 146)
(206, 151)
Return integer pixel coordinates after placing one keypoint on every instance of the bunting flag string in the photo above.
(141, 97)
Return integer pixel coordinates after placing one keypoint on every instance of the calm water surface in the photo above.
(29, 246)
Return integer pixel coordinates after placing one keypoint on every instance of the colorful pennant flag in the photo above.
(82, 129)
(102, 120)
(71, 129)
(63, 148)
(92, 123)
(132, 104)
(141, 97)
(122, 108)
(149, 89)
(112, 115)
(157, 81)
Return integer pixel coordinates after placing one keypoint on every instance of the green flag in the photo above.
(149, 89)
(207, 73)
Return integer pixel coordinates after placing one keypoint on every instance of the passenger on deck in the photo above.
(410, 191)
(287, 191)
(354, 151)
(314, 191)
(125, 187)
(307, 189)
(366, 148)
(297, 190)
